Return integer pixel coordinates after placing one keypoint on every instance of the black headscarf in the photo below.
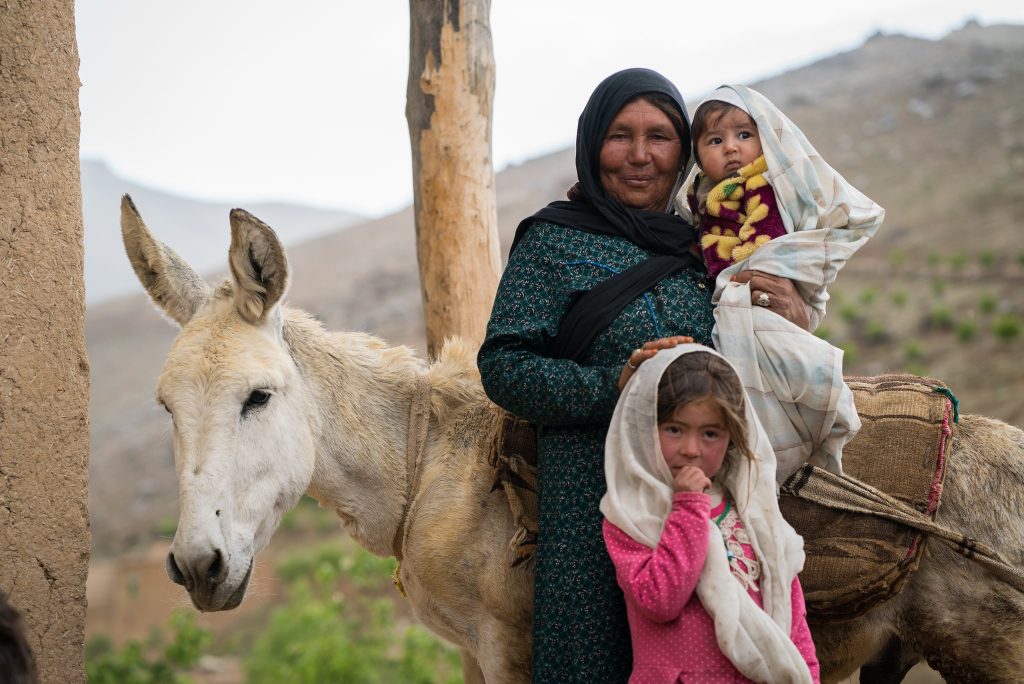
(595, 211)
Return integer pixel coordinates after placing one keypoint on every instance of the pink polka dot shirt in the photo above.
(673, 636)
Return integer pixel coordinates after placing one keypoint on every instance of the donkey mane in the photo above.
(453, 375)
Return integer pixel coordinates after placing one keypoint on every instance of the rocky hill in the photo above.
(194, 226)
(932, 130)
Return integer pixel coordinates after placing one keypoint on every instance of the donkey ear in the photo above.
(171, 283)
(258, 266)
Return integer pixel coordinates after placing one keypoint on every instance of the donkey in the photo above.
(267, 405)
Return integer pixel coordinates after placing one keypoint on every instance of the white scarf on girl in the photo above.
(639, 498)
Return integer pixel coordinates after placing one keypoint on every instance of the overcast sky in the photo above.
(243, 100)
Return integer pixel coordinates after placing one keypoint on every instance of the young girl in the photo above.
(765, 200)
(707, 564)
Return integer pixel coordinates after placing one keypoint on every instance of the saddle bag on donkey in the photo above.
(861, 545)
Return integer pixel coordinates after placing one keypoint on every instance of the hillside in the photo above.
(195, 227)
(932, 130)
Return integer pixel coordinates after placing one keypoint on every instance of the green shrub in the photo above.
(898, 298)
(987, 258)
(326, 520)
(913, 350)
(988, 303)
(189, 641)
(958, 260)
(321, 635)
(324, 563)
(166, 527)
(308, 515)
(876, 332)
(850, 354)
(868, 295)
(1006, 328)
(289, 521)
(966, 330)
(823, 332)
(849, 313)
(1020, 258)
(938, 287)
(897, 257)
(941, 317)
(134, 663)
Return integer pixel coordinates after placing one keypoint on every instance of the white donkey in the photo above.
(267, 405)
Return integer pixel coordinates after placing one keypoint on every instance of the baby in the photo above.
(732, 197)
(765, 200)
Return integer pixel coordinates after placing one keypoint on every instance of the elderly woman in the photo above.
(593, 287)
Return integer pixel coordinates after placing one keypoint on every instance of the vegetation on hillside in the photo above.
(335, 626)
(957, 317)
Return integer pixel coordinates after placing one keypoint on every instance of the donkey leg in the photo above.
(891, 664)
(968, 625)
(842, 647)
(503, 654)
(471, 672)
(981, 642)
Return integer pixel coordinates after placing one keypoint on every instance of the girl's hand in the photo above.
(783, 297)
(638, 356)
(690, 478)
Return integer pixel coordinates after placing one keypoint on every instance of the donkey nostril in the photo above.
(173, 571)
(215, 567)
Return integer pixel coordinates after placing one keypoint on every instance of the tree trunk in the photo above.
(450, 96)
(44, 371)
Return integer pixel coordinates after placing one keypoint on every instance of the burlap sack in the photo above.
(856, 561)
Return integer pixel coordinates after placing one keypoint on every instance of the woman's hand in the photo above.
(638, 356)
(778, 294)
(690, 478)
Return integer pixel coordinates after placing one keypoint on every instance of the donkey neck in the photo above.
(358, 398)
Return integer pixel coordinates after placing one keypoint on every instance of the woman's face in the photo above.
(640, 157)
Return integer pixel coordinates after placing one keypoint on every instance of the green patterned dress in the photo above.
(580, 631)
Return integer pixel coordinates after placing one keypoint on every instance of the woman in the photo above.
(563, 372)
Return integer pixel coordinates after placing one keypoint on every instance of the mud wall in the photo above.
(44, 372)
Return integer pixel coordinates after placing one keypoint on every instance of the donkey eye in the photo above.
(257, 398)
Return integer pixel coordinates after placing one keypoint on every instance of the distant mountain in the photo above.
(931, 130)
(195, 228)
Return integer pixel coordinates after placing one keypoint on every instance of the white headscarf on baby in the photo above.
(810, 194)
(639, 498)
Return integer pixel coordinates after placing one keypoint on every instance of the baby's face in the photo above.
(694, 435)
(728, 144)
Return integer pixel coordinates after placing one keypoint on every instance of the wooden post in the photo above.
(44, 372)
(450, 102)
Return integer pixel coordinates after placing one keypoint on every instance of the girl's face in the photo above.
(728, 144)
(695, 434)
